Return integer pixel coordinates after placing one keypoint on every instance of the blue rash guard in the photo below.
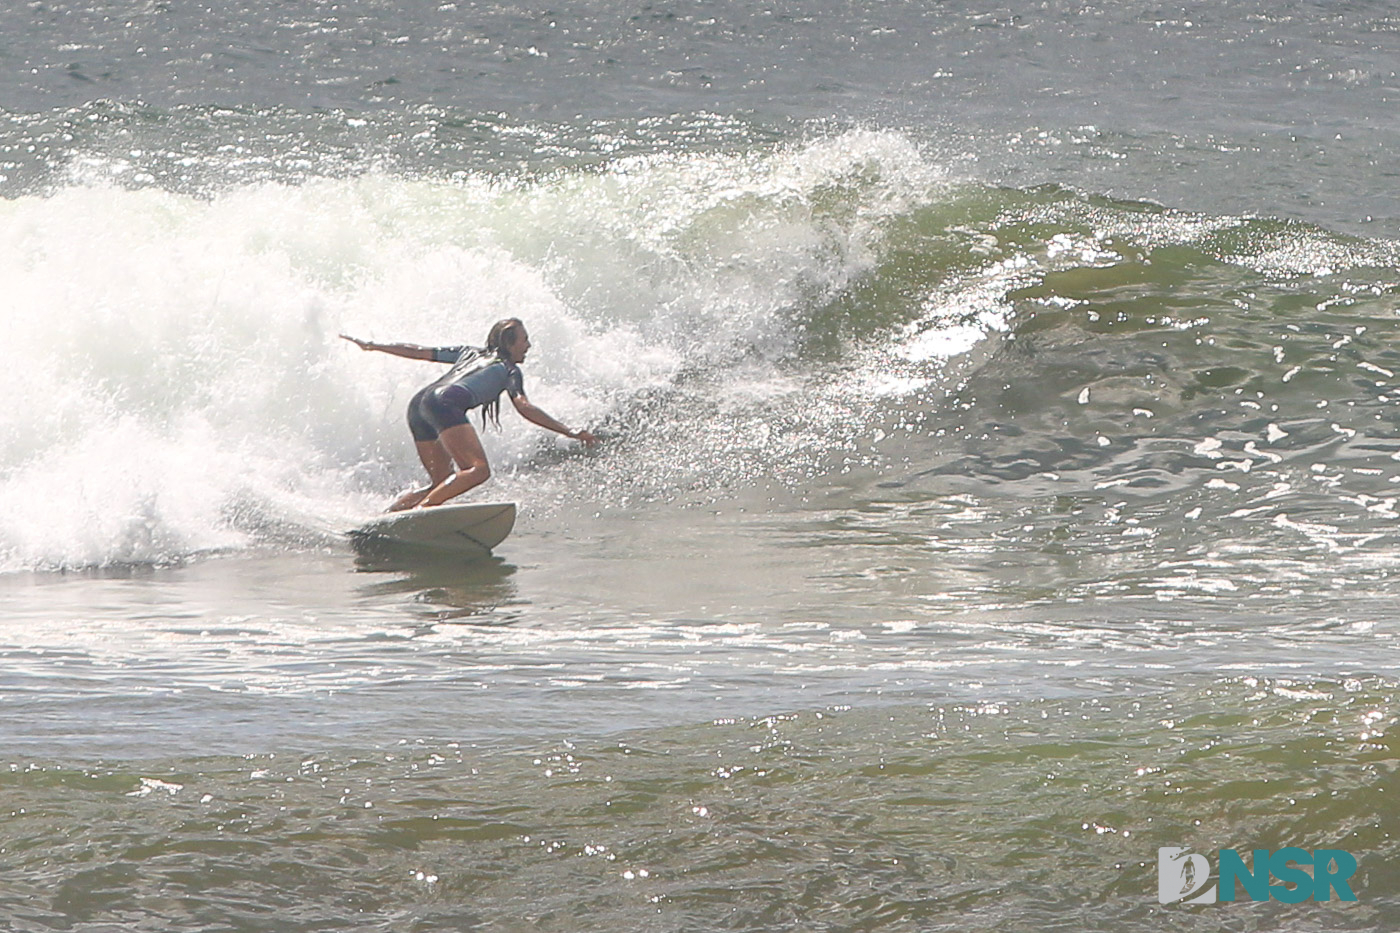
(476, 378)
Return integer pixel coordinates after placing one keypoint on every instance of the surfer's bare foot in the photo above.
(409, 500)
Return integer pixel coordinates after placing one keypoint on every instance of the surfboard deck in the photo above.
(472, 529)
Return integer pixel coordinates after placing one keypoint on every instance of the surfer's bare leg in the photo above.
(437, 462)
(472, 469)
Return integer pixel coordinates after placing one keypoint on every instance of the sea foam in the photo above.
(175, 381)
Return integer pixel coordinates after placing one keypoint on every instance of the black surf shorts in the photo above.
(435, 409)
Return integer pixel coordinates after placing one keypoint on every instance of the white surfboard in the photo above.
(472, 529)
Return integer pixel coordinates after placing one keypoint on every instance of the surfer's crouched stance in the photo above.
(437, 415)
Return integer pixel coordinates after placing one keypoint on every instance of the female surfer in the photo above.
(437, 415)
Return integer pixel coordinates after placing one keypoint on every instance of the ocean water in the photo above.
(999, 474)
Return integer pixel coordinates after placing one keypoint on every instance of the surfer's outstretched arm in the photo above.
(410, 350)
(533, 413)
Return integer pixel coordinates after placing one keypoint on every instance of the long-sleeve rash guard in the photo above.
(482, 374)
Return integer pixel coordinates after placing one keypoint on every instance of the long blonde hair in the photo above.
(499, 340)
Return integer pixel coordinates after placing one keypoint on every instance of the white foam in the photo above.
(174, 380)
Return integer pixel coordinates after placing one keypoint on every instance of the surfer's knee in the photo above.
(480, 471)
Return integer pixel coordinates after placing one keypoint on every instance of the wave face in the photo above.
(841, 310)
(177, 384)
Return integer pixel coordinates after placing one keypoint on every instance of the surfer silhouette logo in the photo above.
(1181, 874)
